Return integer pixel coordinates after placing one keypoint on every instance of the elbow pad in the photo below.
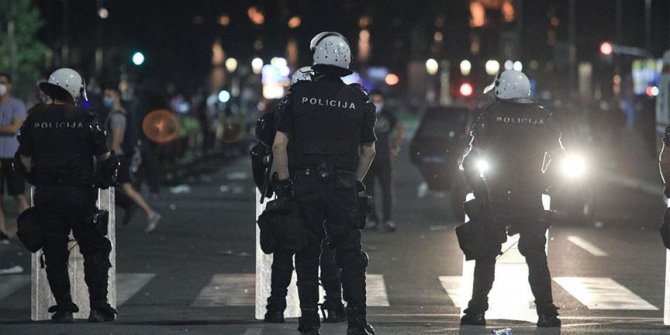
(21, 169)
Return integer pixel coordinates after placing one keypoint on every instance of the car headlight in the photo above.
(573, 165)
(483, 166)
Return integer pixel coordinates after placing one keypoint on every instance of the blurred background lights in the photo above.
(138, 58)
(432, 66)
(231, 64)
(391, 79)
(224, 96)
(257, 65)
(465, 66)
(492, 67)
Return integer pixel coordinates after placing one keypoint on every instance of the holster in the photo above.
(472, 236)
(281, 226)
(100, 220)
(365, 203)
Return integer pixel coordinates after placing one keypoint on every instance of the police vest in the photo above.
(62, 145)
(515, 138)
(327, 123)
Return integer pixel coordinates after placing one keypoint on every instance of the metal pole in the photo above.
(619, 21)
(572, 58)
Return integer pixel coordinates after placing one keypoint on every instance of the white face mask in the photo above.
(379, 106)
(3, 90)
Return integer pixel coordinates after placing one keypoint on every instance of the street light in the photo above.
(465, 66)
(231, 64)
(466, 90)
(138, 58)
(432, 66)
(492, 67)
(257, 65)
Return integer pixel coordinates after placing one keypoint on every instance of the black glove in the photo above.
(108, 172)
(21, 169)
(282, 187)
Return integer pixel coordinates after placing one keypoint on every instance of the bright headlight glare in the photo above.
(483, 166)
(573, 166)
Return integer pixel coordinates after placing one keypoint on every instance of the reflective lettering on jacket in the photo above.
(520, 120)
(57, 125)
(328, 102)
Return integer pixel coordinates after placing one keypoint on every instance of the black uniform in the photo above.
(282, 259)
(62, 143)
(327, 121)
(514, 138)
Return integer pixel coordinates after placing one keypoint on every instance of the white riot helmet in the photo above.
(64, 84)
(510, 84)
(304, 73)
(331, 49)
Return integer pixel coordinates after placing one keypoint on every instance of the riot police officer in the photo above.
(510, 147)
(330, 129)
(282, 260)
(60, 149)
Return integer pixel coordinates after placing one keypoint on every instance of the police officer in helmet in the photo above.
(512, 142)
(329, 127)
(282, 262)
(63, 152)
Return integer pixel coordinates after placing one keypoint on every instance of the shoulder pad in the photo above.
(360, 89)
(39, 107)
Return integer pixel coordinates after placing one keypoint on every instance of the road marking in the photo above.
(376, 291)
(129, 284)
(584, 244)
(454, 288)
(229, 289)
(239, 289)
(11, 283)
(253, 331)
(603, 294)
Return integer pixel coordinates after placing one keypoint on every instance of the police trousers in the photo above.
(380, 171)
(329, 206)
(282, 271)
(532, 240)
(70, 208)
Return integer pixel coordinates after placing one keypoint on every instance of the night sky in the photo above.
(176, 36)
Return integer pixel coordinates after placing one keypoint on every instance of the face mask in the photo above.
(3, 90)
(108, 102)
(379, 106)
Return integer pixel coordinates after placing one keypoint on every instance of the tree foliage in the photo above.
(29, 50)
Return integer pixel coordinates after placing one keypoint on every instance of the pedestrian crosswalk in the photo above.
(238, 289)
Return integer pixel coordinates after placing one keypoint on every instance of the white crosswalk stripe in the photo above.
(128, 284)
(239, 289)
(603, 294)
(594, 293)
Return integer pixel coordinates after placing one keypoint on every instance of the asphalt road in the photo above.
(608, 277)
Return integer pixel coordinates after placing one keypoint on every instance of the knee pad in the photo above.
(363, 259)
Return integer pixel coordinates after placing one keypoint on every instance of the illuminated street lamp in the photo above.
(257, 65)
(492, 67)
(138, 58)
(465, 66)
(231, 64)
(432, 66)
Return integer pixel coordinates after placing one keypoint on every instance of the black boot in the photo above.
(274, 316)
(275, 309)
(104, 313)
(545, 320)
(357, 323)
(473, 319)
(308, 323)
(333, 311)
(63, 313)
(547, 316)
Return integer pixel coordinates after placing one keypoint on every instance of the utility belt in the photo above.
(323, 171)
